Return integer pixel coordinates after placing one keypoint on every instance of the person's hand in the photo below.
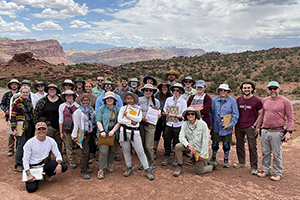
(257, 130)
(6, 112)
(227, 127)
(199, 108)
(200, 159)
(133, 123)
(62, 136)
(31, 178)
(286, 137)
(15, 133)
(159, 116)
(103, 134)
(75, 139)
(144, 119)
(193, 150)
(111, 133)
(125, 113)
(58, 169)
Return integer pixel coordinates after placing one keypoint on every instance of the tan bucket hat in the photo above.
(68, 92)
(224, 87)
(149, 86)
(136, 98)
(179, 86)
(134, 80)
(172, 72)
(191, 109)
(91, 96)
(109, 94)
(53, 86)
(13, 81)
(67, 81)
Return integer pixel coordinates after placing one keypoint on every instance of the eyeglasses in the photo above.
(176, 90)
(133, 82)
(188, 81)
(107, 86)
(221, 90)
(272, 89)
(40, 86)
(192, 114)
(100, 80)
(68, 85)
(148, 90)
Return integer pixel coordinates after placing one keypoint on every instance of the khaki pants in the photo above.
(201, 166)
(69, 144)
(11, 142)
(107, 154)
(54, 133)
(147, 135)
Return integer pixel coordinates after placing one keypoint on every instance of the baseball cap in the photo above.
(200, 83)
(274, 84)
(40, 125)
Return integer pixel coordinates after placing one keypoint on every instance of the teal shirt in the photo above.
(103, 116)
(97, 92)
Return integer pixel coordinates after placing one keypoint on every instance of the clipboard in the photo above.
(226, 120)
(36, 172)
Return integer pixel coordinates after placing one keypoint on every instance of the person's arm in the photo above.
(204, 151)
(290, 119)
(189, 101)
(235, 115)
(57, 155)
(182, 134)
(121, 118)
(116, 127)
(260, 121)
(206, 105)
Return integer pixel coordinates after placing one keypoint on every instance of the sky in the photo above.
(212, 25)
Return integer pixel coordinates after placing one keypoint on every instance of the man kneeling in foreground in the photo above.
(194, 137)
(36, 152)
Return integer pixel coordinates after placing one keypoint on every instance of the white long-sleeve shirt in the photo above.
(36, 151)
(136, 118)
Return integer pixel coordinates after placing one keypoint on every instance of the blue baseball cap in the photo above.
(200, 83)
(274, 84)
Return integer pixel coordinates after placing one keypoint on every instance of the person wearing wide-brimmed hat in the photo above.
(188, 83)
(67, 85)
(171, 76)
(106, 120)
(40, 87)
(150, 80)
(108, 86)
(173, 110)
(147, 129)
(84, 121)
(47, 110)
(14, 86)
(194, 137)
(129, 119)
(134, 84)
(223, 107)
(125, 87)
(66, 111)
(79, 86)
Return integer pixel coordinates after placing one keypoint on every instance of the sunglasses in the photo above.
(221, 90)
(133, 82)
(176, 90)
(40, 86)
(148, 90)
(68, 85)
(188, 81)
(100, 80)
(108, 86)
(192, 114)
(272, 89)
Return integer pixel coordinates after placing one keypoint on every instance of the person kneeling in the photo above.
(36, 152)
(193, 137)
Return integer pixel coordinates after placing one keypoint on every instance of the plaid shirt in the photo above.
(5, 102)
(18, 113)
(39, 109)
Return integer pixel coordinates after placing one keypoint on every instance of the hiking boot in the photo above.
(263, 174)
(254, 172)
(100, 174)
(152, 168)
(47, 178)
(148, 174)
(188, 154)
(225, 164)
(18, 168)
(215, 164)
(178, 171)
(89, 170)
(10, 153)
(239, 165)
(276, 177)
(140, 167)
(166, 161)
(212, 160)
(128, 172)
(85, 176)
(118, 158)
(72, 165)
(175, 164)
(109, 168)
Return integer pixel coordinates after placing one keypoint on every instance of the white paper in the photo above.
(152, 115)
(36, 172)
(132, 109)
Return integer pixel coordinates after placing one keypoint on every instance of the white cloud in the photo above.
(15, 26)
(56, 9)
(79, 24)
(47, 25)
(10, 8)
(99, 10)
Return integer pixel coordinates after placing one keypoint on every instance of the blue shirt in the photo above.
(97, 92)
(99, 101)
(218, 109)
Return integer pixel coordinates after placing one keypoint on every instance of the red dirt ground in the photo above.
(222, 183)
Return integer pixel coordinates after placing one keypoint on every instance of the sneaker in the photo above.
(128, 172)
(72, 165)
(166, 161)
(178, 171)
(47, 178)
(215, 164)
(85, 176)
(254, 172)
(18, 168)
(175, 164)
(100, 174)
(263, 174)
(148, 174)
(10, 153)
(118, 158)
(89, 170)
(110, 168)
(190, 162)
(239, 165)
(140, 167)
(212, 160)
(152, 168)
(276, 177)
(225, 164)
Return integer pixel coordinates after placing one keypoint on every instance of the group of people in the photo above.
(97, 118)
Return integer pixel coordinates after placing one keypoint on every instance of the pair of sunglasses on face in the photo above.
(190, 114)
(108, 86)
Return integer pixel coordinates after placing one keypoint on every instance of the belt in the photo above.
(129, 128)
(44, 161)
(274, 128)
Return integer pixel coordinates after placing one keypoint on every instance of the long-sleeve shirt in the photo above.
(135, 118)
(64, 112)
(5, 102)
(197, 135)
(36, 151)
(99, 101)
(180, 105)
(144, 103)
(187, 95)
(219, 109)
(19, 111)
(274, 112)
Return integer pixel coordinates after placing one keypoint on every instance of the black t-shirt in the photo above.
(51, 112)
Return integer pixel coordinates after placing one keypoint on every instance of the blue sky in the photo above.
(213, 25)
